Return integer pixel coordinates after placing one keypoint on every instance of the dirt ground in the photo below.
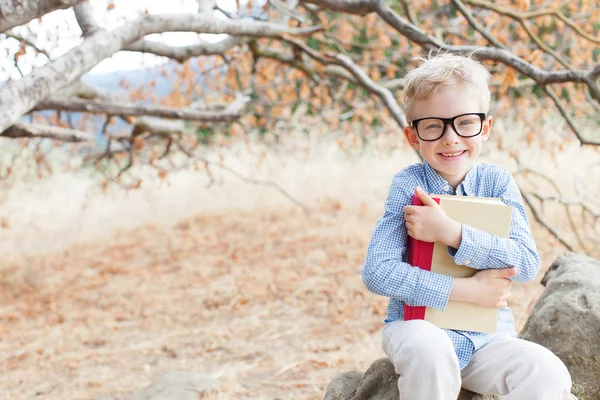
(268, 301)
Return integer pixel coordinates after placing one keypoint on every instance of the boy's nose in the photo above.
(449, 136)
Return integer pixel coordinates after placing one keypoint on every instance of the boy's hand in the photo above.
(487, 288)
(430, 223)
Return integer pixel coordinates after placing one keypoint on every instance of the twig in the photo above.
(272, 184)
(476, 25)
(26, 41)
(228, 114)
(540, 218)
(47, 131)
(567, 117)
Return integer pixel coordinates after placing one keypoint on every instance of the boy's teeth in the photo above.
(458, 153)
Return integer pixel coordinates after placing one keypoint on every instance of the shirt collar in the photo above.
(438, 185)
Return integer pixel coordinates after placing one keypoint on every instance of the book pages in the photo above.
(489, 216)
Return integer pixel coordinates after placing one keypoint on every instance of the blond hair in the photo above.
(444, 70)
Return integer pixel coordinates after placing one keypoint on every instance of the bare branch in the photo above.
(533, 14)
(567, 117)
(361, 77)
(359, 7)
(476, 25)
(418, 36)
(272, 184)
(47, 131)
(26, 41)
(231, 113)
(19, 97)
(285, 9)
(410, 14)
(428, 42)
(15, 13)
(181, 54)
(88, 24)
(542, 220)
(160, 127)
(523, 22)
(85, 18)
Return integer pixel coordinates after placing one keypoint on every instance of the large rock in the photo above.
(379, 382)
(566, 319)
(180, 385)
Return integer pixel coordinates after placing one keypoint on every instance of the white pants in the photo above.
(424, 358)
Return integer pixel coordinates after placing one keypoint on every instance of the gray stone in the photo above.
(343, 386)
(379, 382)
(566, 320)
(180, 385)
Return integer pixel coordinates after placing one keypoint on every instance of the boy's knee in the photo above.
(555, 374)
(548, 370)
(424, 342)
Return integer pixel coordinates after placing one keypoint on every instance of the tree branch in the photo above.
(359, 7)
(28, 42)
(428, 42)
(231, 113)
(476, 25)
(85, 18)
(181, 54)
(361, 77)
(542, 220)
(567, 117)
(531, 15)
(19, 97)
(15, 13)
(522, 20)
(47, 131)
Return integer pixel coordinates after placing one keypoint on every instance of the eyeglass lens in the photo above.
(465, 125)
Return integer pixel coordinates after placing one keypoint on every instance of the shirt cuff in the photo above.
(474, 247)
(433, 290)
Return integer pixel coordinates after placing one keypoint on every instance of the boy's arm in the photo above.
(385, 273)
(481, 250)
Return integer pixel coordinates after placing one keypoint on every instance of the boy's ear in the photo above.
(411, 135)
(486, 130)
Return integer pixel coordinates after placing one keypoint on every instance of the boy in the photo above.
(447, 102)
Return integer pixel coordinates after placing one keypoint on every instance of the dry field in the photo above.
(102, 293)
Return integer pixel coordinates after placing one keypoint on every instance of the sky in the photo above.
(58, 32)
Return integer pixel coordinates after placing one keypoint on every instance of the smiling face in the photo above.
(451, 156)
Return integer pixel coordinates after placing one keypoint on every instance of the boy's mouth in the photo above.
(452, 154)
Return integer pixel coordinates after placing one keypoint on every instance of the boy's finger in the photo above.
(505, 272)
(425, 198)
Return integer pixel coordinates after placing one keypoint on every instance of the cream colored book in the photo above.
(490, 215)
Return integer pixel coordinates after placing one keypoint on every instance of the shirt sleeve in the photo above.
(386, 271)
(481, 250)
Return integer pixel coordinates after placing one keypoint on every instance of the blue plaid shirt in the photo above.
(387, 273)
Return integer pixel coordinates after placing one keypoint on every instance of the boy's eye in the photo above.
(466, 121)
(433, 125)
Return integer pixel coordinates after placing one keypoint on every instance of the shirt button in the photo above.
(467, 262)
(447, 188)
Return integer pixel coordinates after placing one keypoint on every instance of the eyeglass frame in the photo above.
(447, 121)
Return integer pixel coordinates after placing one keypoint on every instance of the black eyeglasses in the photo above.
(433, 128)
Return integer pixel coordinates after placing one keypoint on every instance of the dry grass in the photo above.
(109, 291)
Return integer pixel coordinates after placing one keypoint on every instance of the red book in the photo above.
(486, 214)
(420, 254)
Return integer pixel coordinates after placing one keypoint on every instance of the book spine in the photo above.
(420, 255)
